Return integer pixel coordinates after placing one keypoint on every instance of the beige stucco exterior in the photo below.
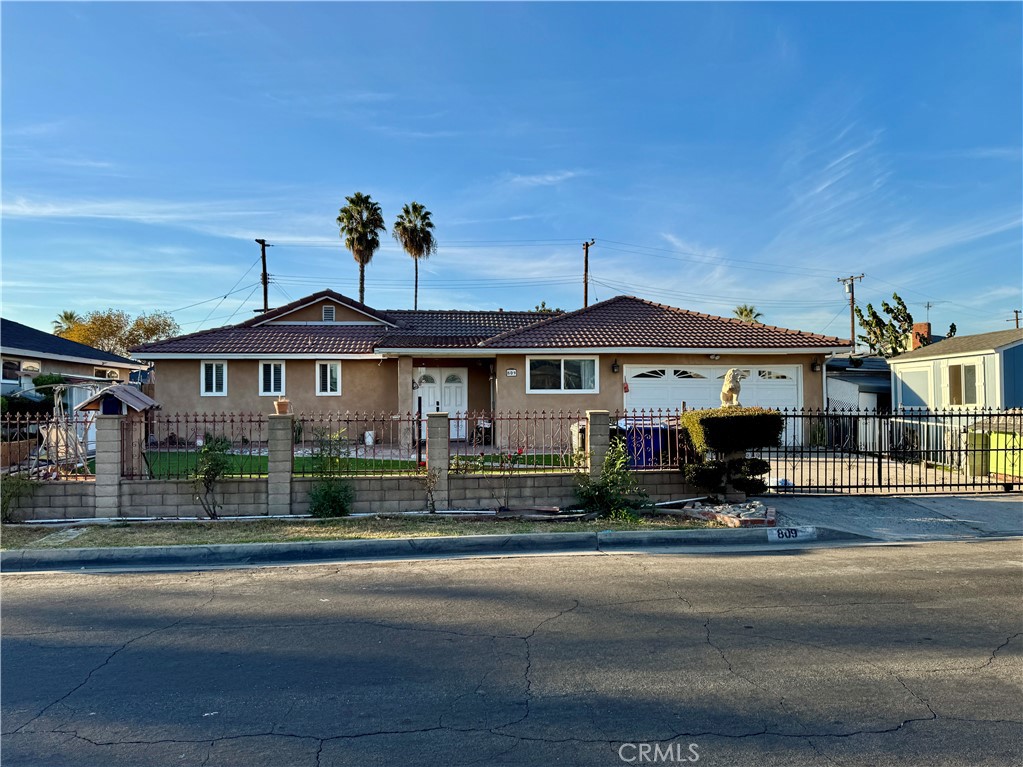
(367, 386)
(512, 396)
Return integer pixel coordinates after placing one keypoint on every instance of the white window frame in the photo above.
(202, 378)
(978, 382)
(331, 309)
(259, 373)
(561, 358)
(320, 393)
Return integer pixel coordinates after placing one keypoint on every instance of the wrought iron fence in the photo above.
(654, 439)
(910, 450)
(160, 446)
(48, 448)
(483, 442)
(358, 444)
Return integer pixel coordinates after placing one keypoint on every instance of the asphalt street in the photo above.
(900, 655)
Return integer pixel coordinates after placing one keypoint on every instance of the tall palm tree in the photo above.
(361, 222)
(413, 229)
(65, 320)
(748, 313)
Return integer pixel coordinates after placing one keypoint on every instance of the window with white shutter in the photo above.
(213, 378)
(328, 379)
(271, 378)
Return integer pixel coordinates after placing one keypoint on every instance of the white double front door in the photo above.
(446, 390)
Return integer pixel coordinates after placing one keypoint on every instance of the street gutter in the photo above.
(291, 553)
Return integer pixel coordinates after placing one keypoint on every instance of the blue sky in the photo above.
(720, 154)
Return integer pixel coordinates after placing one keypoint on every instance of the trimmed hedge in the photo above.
(733, 429)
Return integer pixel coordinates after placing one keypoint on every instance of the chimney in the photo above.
(921, 335)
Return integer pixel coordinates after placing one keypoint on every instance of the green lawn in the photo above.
(272, 530)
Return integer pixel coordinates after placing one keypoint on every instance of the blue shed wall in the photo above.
(1012, 376)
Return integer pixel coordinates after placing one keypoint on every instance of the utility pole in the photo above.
(1017, 313)
(850, 288)
(266, 277)
(586, 272)
(928, 306)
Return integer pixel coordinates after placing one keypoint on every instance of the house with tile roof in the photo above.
(328, 352)
(28, 353)
(976, 371)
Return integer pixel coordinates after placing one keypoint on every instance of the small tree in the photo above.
(748, 313)
(887, 337)
(213, 463)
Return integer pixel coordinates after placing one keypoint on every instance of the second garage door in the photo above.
(656, 387)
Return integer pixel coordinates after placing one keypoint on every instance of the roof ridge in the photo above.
(549, 320)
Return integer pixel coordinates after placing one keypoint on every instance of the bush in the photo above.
(212, 464)
(615, 494)
(12, 489)
(332, 497)
(733, 429)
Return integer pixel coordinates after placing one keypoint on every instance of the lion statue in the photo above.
(731, 387)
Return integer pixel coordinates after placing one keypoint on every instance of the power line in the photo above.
(200, 303)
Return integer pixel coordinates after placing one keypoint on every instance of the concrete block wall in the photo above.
(112, 496)
(176, 498)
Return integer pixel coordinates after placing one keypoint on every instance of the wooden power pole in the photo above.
(586, 272)
(266, 277)
(850, 288)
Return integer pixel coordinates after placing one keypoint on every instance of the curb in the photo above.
(257, 554)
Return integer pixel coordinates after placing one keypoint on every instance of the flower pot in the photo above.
(282, 406)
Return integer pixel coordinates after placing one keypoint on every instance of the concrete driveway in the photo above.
(907, 518)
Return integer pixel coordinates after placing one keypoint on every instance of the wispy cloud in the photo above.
(543, 179)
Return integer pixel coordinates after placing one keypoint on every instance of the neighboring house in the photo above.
(857, 382)
(28, 353)
(976, 371)
(328, 352)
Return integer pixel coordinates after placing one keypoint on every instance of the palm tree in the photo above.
(413, 229)
(65, 320)
(361, 222)
(748, 313)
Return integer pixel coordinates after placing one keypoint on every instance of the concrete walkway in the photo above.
(907, 518)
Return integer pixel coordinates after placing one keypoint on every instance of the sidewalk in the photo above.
(907, 518)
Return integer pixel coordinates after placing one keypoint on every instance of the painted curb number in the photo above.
(789, 534)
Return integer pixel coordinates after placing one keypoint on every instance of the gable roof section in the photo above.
(629, 322)
(949, 347)
(301, 303)
(16, 338)
(269, 340)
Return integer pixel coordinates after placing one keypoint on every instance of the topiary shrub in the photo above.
(733, 429)
(730, 430)
(331, 497)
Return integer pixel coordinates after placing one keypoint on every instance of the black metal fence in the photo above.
(905, 451)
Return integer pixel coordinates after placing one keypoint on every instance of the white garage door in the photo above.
(653, 387)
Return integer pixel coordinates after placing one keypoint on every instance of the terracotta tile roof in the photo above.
(452, 328)
(273, 339)
(626, 321)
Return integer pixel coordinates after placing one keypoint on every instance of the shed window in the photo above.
(271, 378)
(962, 384)
(213, 379)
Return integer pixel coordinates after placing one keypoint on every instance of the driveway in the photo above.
(907, 518)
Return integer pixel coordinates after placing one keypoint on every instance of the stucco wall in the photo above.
(366, 386)
(512, 396)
